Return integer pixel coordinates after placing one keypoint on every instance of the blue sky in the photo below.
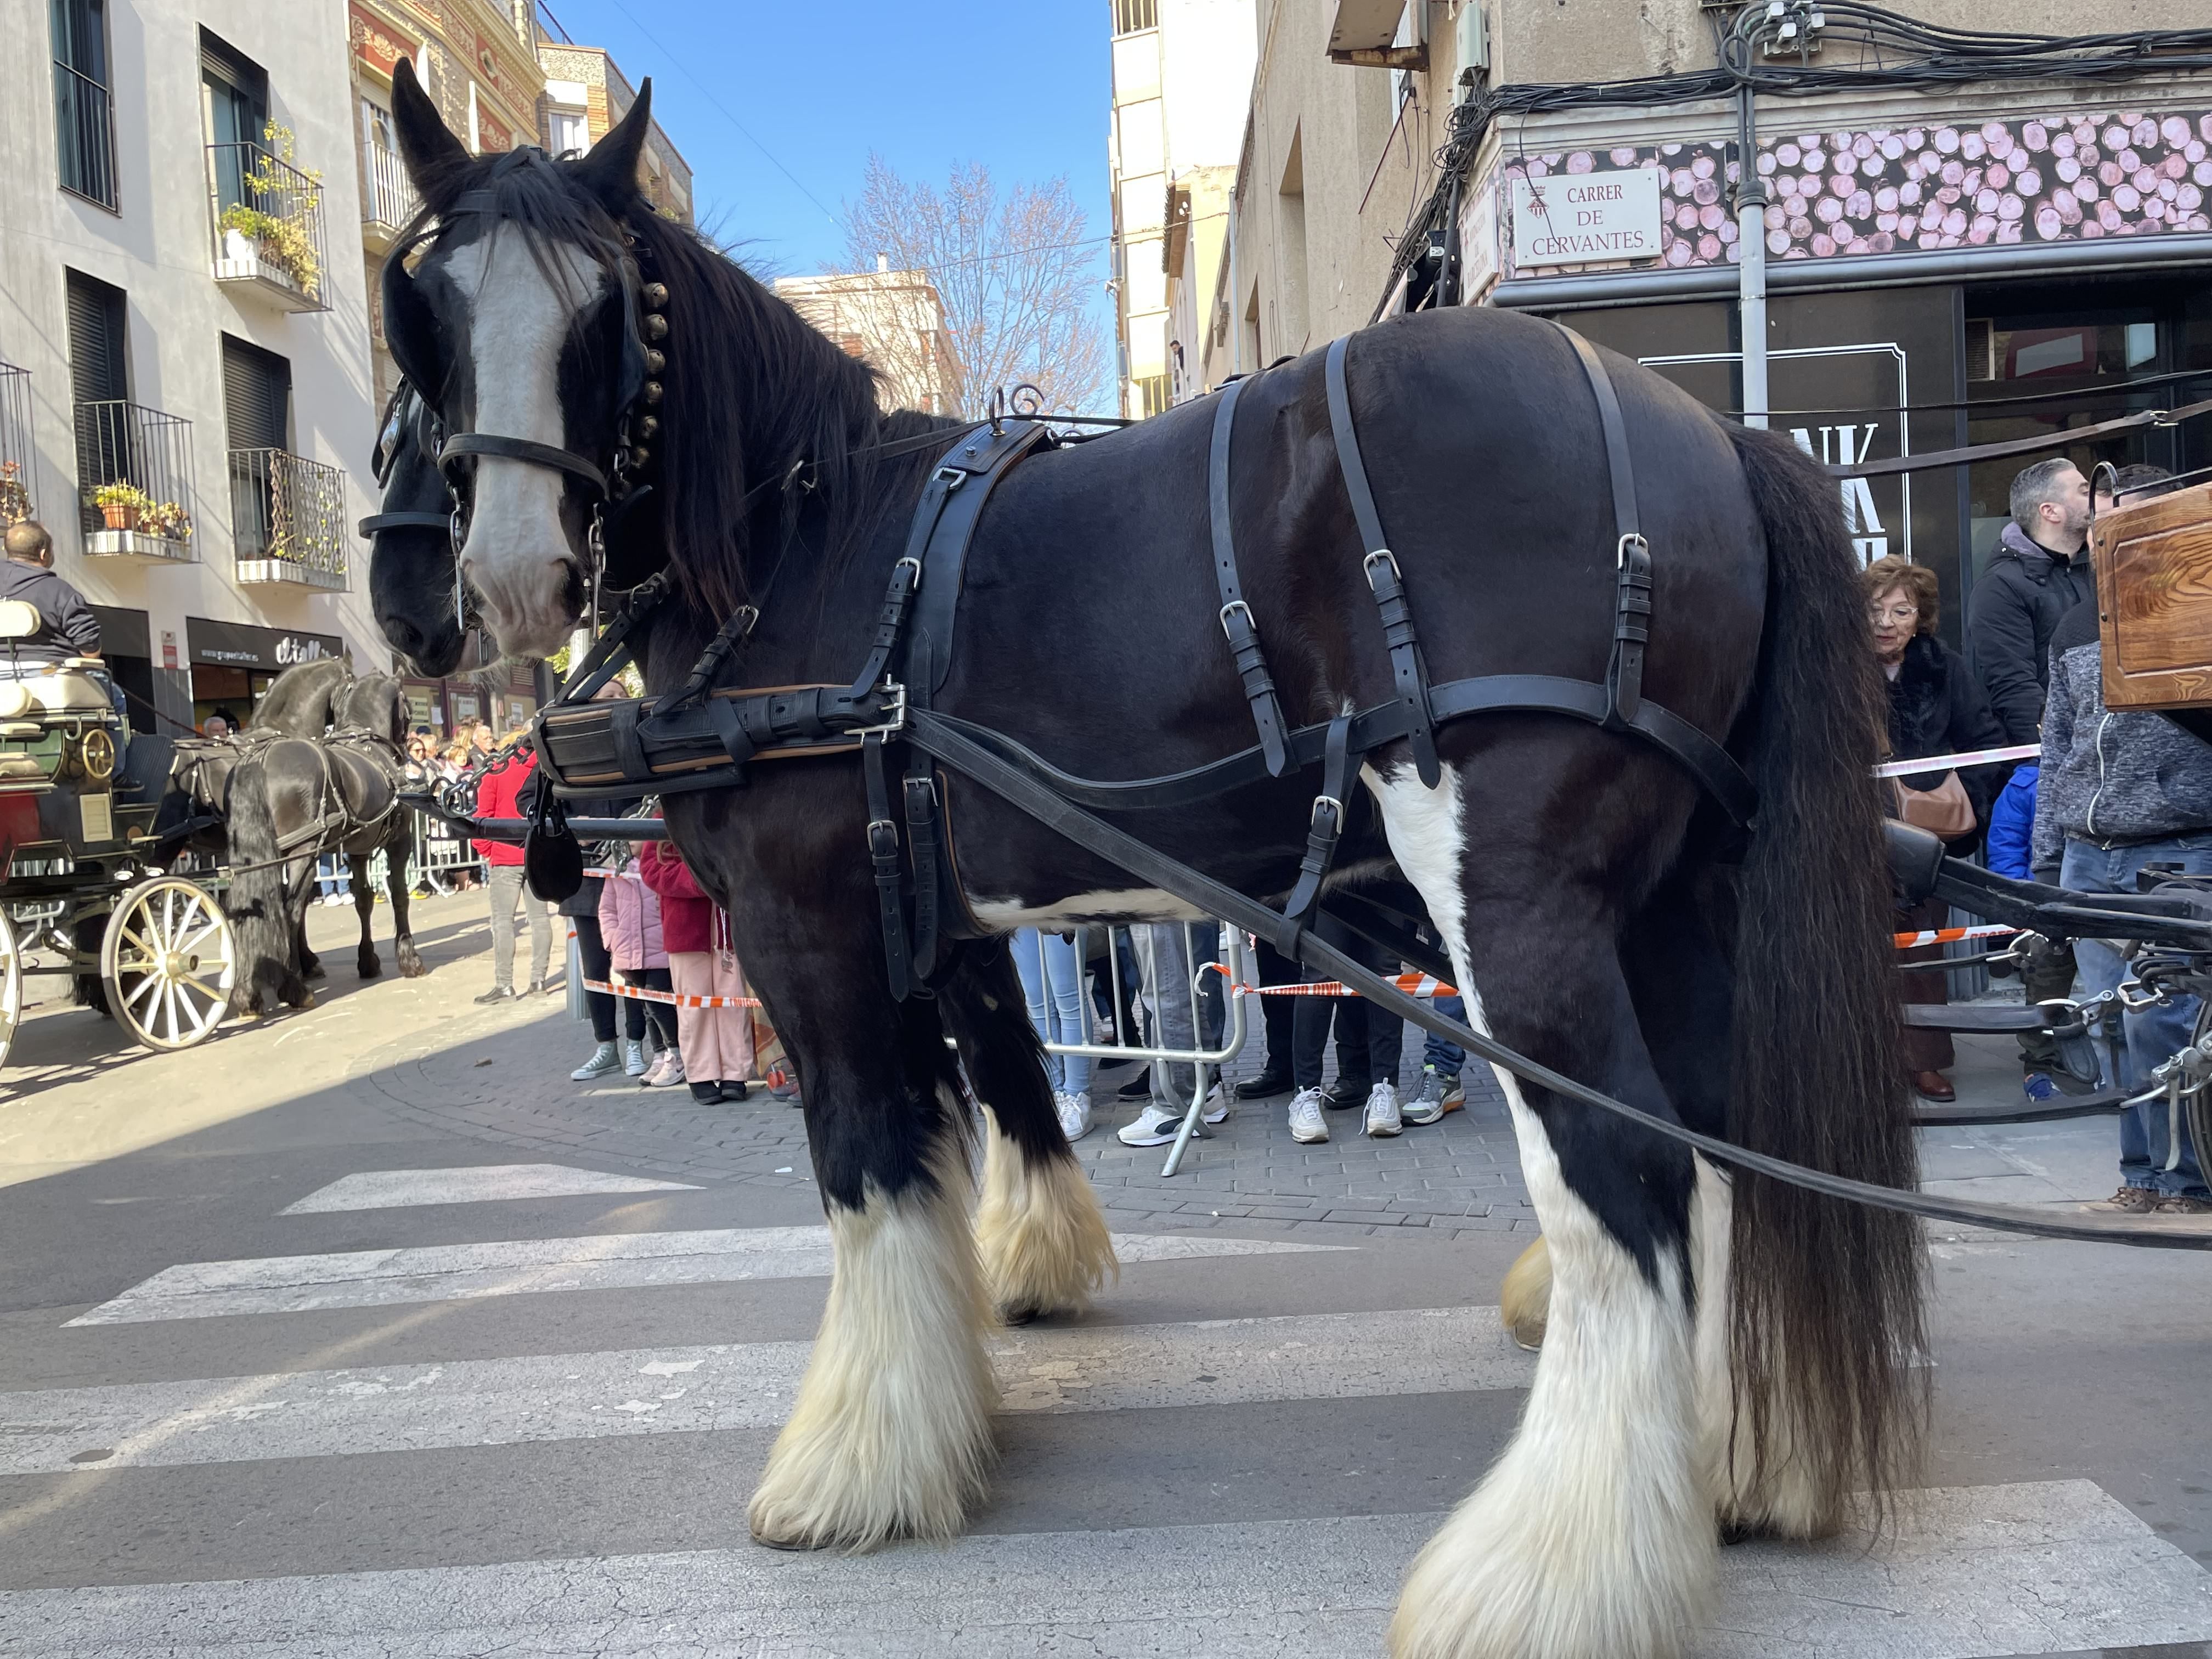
(1020, 85)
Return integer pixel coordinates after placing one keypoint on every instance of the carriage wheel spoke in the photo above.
(147, 982)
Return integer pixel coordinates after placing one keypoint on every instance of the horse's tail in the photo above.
(1827, 1317)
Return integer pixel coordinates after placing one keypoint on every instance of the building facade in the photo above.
(185, 399)
(585, 94)
(893, 321)
(1948, 262)
(1180, 69)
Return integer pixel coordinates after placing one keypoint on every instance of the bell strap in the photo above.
(1384, 579)
(1325, 824)
(1235, 615)
(503, 448)
(1631, 610)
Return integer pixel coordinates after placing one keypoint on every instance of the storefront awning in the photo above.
(239, 645)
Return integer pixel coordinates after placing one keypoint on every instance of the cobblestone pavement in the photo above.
(1460, 1175)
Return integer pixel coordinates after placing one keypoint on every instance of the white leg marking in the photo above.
(1041, 1232)
(1592, 1536)
(891, 1434)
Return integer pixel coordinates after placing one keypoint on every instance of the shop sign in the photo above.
(168, 650)
(1583, 218)
(237, 645)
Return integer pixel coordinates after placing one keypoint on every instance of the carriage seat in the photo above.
(30, 689)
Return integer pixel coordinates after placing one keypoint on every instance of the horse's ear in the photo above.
(436, 161)
(610, 169)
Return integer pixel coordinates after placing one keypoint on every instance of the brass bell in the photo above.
(656, 295)
(654, 362)
(639, 454)
(656, 326)
(651, 392)
(647, 426)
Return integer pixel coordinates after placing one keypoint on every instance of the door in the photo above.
(100, 384)
(82, 106)
(235, 91)
(257, 409)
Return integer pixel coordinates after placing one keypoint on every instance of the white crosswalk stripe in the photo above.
(448, 1272)
(738, 1386)
(2033, 1568)
(394, 1189)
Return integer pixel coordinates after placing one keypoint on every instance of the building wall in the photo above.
(895, 321)
(159, 249)
(585, 78)
(1197, 249)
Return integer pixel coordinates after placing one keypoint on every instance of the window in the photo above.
(99, 381)
(1130, 15)
(568, 129)
(1153, 395)
(257, 397)
(84, 108)
(234, 101)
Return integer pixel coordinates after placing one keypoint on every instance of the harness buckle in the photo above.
(1620, 550)
(896, 721)
(1334, 806)
(950, 476)
(1235, 604)
(1367, 564)
(883, 840)
(910, 559)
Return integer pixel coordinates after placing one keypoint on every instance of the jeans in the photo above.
(592, 948)
(507, 892)
(662, 1014)
(1052, 985)
(1281, 1014)
(2152, 1035)
(1447, 1057)
(1165, 955)
(1369, 1041)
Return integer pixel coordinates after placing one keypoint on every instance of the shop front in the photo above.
(234, 663)
(125, 646)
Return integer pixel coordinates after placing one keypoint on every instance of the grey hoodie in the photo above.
(2110, 777)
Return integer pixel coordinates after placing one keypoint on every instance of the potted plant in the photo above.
(14, 495)
(272, 228)
(167, 519)
(121, 504)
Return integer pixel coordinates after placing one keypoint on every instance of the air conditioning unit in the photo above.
(1363, 32)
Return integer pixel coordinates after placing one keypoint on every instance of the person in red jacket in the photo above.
(501, 796)
(717, 1043)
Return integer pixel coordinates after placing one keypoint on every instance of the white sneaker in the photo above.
(1382, 1119)
(1074, 1116)
(666, 1071)
(1307, 1123)
(634, 1057)
(1156, 1125)
(605, 1058)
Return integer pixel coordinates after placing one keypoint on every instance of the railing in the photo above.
(288, 519)
(18, 456)
(134, 469)
(387, 198)
(266, 216)
(84, 133)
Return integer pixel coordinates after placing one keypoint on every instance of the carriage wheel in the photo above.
(167, 961)
(11, 985)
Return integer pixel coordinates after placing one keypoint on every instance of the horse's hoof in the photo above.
(369, 969)
(314, 970)
(304, 1001)
(792, 1546)
(412, 970)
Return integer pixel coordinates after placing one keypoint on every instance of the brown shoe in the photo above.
(2181, 1204)
(2136, 1201)
(1933, 1085)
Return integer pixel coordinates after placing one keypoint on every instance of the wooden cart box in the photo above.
(2154, 565)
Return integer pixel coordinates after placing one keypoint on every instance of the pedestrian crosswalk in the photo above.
(515, 1369)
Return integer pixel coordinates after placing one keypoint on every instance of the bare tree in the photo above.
(1015, 271)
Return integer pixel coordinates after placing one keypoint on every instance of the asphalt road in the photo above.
(364, 1332)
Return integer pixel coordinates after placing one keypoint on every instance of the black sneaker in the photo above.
(733, 1089)
(497, 994)
(707, 1094)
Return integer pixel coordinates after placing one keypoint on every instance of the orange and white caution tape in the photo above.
(1413, 985)
(674, 998)
(2018, 751)
(1953, 935)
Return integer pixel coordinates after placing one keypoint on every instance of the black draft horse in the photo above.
(300, 793)
(1720, 1348)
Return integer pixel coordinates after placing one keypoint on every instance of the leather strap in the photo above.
(963, 482)
(1325, 826)
(1237, 616)
(1383, 578)
(1632, 609)
(883, 857)
(520, 449)
(923, 844)
(375, 523)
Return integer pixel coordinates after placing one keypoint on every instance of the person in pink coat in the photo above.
(630, 923)
(717, 1043)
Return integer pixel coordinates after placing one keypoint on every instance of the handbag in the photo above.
(1945, 810)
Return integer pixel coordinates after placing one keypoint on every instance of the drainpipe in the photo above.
(1751, 271)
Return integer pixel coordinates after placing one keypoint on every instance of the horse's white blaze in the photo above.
(1133, 904)
(891, 1433)
(1593, 1533)
(1041, 1234)
(518, 556)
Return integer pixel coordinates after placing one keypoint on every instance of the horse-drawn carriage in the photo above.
(80, 875)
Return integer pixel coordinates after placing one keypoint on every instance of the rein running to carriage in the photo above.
(706, 735)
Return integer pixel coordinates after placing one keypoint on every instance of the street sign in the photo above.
(1586, 218)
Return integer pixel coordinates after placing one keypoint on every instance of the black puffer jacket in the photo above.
(2015, 610)
(1937, 709)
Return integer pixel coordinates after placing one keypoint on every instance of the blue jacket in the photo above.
(2012, 825)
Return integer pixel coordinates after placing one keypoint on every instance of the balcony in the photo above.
(19, 468)
(84, 134)
(387, 199)
(266, 218)
(288, 519)
(134, 468)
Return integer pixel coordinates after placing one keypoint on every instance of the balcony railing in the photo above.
(134, 468)
(387, 198)
(84, 132)
(288, 518)
(18, 456)
(266, 216)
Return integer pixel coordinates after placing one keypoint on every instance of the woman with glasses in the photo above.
(1935, 708)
